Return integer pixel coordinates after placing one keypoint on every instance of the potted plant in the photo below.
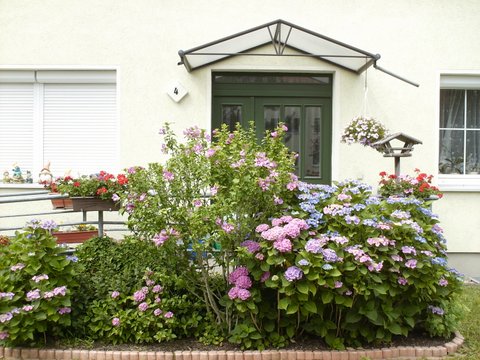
(363, 130)
(78, 234)
(94, 192)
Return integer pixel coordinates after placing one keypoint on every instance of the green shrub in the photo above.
(123, 269)
(36, 281)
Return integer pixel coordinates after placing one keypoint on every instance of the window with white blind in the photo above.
(459, 137)
(65, 118)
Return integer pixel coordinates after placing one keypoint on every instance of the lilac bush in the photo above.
(36, 282)
(357, 268)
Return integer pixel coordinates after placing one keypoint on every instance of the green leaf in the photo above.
(302, 287)
(292, 308)
(310, 306)
(327, 297)
(283, 303)
(394, 328)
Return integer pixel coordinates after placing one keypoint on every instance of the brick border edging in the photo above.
(393, 353)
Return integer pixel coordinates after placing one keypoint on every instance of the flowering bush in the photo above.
(419, 186)
(103, 185)
(36, 283)
(143, 316)
(363, 130)
(206, 199)
(345, 266)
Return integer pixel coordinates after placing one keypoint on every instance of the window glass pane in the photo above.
(231, 114)
(473, 109)
(292, 137)
(313, 127)
(271, 115)
(473, 151)
(452, 105)
(451, 152)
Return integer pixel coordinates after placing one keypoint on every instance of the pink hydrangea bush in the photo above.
(349, 267)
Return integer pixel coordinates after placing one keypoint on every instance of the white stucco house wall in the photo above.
(84, 85)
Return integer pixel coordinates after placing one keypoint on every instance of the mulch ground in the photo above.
(414, 339)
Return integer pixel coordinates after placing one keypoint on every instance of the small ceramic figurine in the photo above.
(17, 174)
(6, 177)
(45, 176)
(28, 177)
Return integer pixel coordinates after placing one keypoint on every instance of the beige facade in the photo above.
(420, 40)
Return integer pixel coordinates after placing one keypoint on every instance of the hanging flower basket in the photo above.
(74, 237)
(93, 204)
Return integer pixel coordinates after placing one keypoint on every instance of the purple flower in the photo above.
(27, 308)
(197, 203)
(235, 274)
(228, 228)
(115, 294)
(157, 289)
(162, 131)
(61, 290)
(329, 255)
(304, 262)
(17, 267)
(167, 175)
(252, 246)
(338, 284)
(396, 258)
(64, 310)
(149, 282)
(6, 317)
(143, 307)
(233, 293)
(39, 278)
(115, 197)
(443, 282)
(116, 321)
(48, 225)
(160, 238)
(158, 300)
(314, 246)
(139, 296)
(3, 335)
(48, 295)
(210, 152)
(412, 264)
(374, 266)
(168, 315)
(157, 312)
(283, 245)
(293, 273)
(33, 295)
(8, 295)
(144, 290)
(402, 281)
(277, 200)
(409, 250)
(214, 190)
(436, 310)
(243, 282)
(265, 276)
(259, 256)
(243, 294)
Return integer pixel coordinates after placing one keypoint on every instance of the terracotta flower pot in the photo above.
(74, 237)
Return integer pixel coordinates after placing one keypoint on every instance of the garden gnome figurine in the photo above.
(17, 174)
(6, 177)
(28, 177)
(45, 176)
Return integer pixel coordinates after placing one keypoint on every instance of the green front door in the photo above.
(303, 103)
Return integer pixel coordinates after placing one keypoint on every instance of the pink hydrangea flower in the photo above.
(143, 307)
(64, 310)
(412, 264)
(261, 228)
(157, 289)
(139, 296)
(283, 245)
(167, 175)
(157, 312)
(402, 281)
(443, 282)
(115, 294)
(168, 315)
(116, 321)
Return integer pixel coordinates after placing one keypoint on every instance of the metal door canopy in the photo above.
(280, 34)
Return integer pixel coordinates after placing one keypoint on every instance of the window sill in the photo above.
(465, 183)
(20, 186)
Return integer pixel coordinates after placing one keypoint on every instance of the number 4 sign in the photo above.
(176, 91)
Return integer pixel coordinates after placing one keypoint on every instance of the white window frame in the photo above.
(38, 120)
(454, 182)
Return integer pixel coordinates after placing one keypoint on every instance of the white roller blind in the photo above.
(80, 128)
(16, 126)
(460, 82)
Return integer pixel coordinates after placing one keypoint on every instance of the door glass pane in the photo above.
(313, 136)
(271, 115)
(231, 114)
(451, 152)
(473, 109)
(452, 106)
(292, 137)
(473, 151)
